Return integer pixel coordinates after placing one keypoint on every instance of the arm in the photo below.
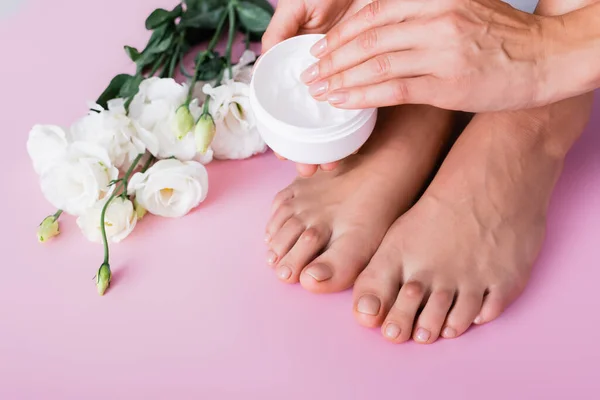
(469, 55)
(572, 46)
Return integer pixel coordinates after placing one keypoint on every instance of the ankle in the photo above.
(552, 129)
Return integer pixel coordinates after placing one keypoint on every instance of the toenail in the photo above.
(319, 272)
(478, 320)
(267, 238)
(284, 273)
(271, 257)
(422, 335)
(368, 304)
(449, 332)
(392, 331)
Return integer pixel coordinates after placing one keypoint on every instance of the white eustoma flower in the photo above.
(46, 145)
(153, 111)
(242, 71)
(113, 130)
(119, 220)
(79, 179)
(237, 136)
(170, 188)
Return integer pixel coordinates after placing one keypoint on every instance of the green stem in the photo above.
(247, 40)
(147, 164)
(211, 45)
(157, 65)
(57, 214)
(205, 107)
(215, 39)
(219, 78)
(110, 199)
(195, 78)
(231, 11)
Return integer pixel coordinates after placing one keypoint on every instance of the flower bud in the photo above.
(183, 122)
(103, 279)
(204, 133)
(140, 211)
(48, 229)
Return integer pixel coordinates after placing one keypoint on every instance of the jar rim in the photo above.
(286, 128)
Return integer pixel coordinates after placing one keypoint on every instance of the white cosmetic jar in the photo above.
(290, 121)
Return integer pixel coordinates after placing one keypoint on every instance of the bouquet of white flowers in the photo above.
(144, 143)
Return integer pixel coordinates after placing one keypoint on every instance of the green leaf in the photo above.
(205, 20)
(264, 4)
(252, 17)
(193, 5)
(158, 17)
(161, 46)
(211, 65)
(131, 87)
(203, 6)
(113, 90)
(147, 59)
(211, 69)
(158, 34)
(132, 53)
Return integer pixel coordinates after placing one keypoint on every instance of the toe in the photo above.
(280, 216)
(330, 166)
(306, 170)
(398, 324)
(284, 240)
(337, 268)
(428, 326)
(308, 246)
(463, 313)
(494, 304)
(376, 288)
(282, 197)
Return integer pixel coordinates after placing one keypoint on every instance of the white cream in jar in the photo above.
(290, 120)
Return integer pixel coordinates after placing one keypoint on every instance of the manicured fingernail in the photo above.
(422, 335)
(319, 272)
(267, 238)
(319, 47)
(392, 331)
(271, 257)
(368, 304)
(311, 73)
(449, 332)
(337, 97)
(284, 273)
(478, 320)
(317, 89)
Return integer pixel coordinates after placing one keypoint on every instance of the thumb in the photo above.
(286, 23)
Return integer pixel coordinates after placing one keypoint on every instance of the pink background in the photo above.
(196, 313)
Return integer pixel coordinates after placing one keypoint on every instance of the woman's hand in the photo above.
(469, 55)
(295, 17)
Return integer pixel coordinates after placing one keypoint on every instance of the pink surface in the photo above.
(196, 313)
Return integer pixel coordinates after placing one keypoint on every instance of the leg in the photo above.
(464, 252)
(324, 229)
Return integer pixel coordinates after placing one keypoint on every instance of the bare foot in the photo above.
(464, 252)
(324, 229)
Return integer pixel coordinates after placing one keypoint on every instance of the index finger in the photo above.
(375, 14)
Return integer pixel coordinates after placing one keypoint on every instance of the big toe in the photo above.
(337, 268)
